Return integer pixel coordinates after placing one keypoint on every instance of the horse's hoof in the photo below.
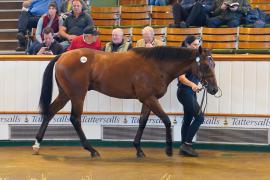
(140, 155)
(35, 151)
(169, 152)
(95, 155)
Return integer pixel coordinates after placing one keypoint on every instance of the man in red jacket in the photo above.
(89, 39)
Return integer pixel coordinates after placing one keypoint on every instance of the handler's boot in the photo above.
(187, 149)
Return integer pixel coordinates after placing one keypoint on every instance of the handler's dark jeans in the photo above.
(27, 21)
(191, 110)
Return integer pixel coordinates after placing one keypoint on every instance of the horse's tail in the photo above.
(47, 88)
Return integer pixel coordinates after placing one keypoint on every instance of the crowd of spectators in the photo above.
(67, 23)
(215, 13)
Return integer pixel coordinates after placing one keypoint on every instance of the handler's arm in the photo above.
(189, 83)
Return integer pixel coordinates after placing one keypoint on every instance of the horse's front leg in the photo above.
(155, 107)
(145, 112)
(75, 118)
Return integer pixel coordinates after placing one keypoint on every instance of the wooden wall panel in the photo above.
(245, 86)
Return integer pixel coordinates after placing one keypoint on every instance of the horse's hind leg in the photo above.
(153, 104)
(75, 118)
(57, 105)
(145, 112)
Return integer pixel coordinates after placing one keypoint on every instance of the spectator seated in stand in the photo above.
(118, 43)
(89, 39)
(29, 17)
(256, 18)
(66, 8)
(51, 19)
(149, 39)
(74, 24)
(191, 13)
(228, 12)
(49, 45)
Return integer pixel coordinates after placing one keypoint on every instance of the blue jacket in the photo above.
(40, 7)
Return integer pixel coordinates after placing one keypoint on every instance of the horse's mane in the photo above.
(164, 52)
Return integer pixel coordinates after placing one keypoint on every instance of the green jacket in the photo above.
(244, 7)
(122, 48)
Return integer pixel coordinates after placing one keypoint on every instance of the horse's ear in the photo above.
(200, 49)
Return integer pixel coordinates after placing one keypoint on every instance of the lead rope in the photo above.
(204, 88)
(201, 105)
(218, 96)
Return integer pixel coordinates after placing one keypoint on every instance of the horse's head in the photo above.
(204, 69)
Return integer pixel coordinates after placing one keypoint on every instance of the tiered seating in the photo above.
(105, 16)
(135, 16)
(220, 39)
(175, 36)
(254, 40)
(9, 13)
(161, 15)
(132, 16)
(133, 2)
(261, 4)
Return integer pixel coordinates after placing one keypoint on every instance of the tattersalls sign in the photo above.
(210, 121)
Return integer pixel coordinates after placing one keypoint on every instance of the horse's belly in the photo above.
(114, 83)
(117, 94)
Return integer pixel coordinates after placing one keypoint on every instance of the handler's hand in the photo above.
(195, 88)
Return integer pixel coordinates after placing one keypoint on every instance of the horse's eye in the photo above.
(205, 67)
(210, 58)
(211, 61)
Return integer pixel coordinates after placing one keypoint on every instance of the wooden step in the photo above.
(8, 23)
(8, 34)
(8, 44)
(10, 4)
(9, 13)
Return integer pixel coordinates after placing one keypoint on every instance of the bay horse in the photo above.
(141, 73)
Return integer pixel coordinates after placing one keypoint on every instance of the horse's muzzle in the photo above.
(212, 90)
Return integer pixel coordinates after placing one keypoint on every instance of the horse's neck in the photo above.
(175, 68)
